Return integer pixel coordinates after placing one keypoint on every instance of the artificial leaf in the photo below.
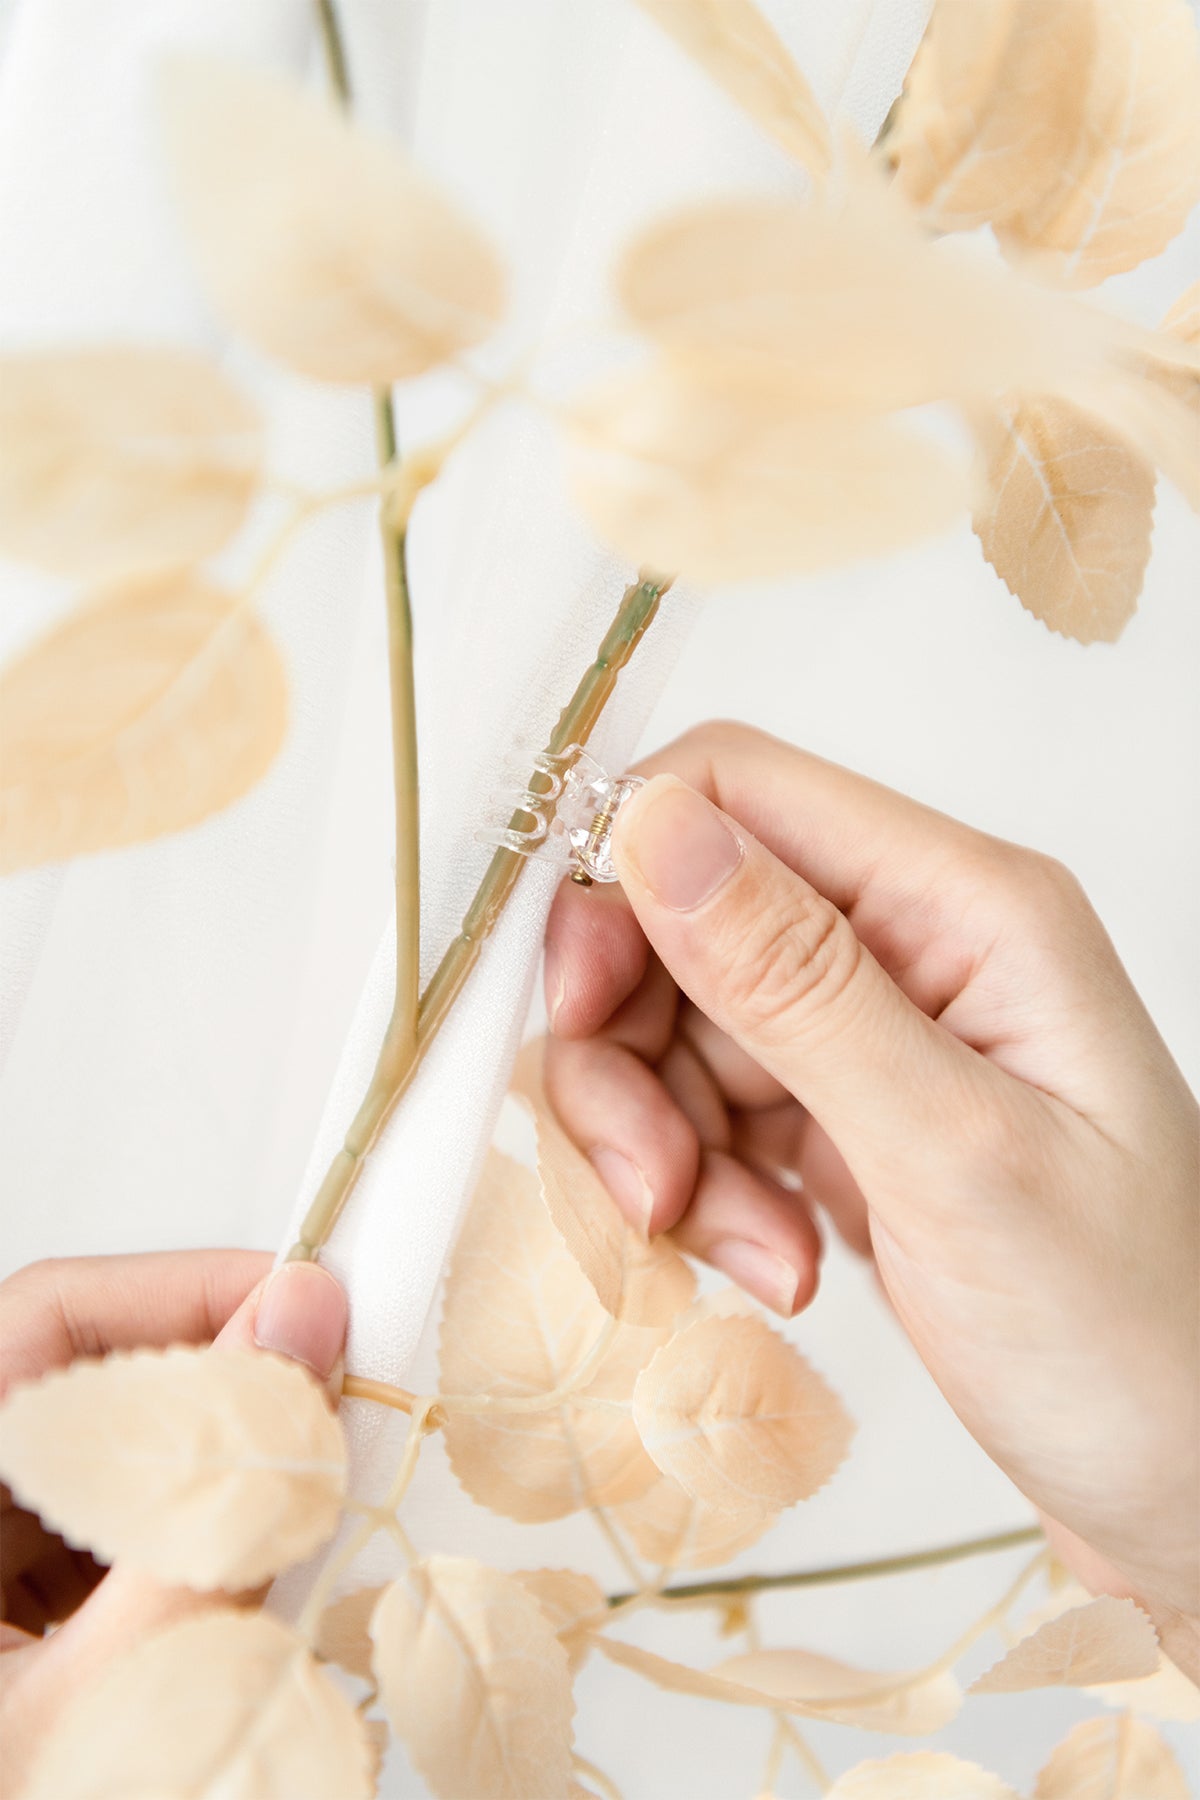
(475, 1681)
(849, 307)
(1106, 1640)
(1112, 1759)
(573, 1603)
(1073, 128)
(737, 47)
(1183, 318)
(157, 703)
(641, 1283)
(1136, 175)
(207, 1468)
(320, 242)
(712, 467)
(1067, 516)
(677, 1531)
(919, 1775)
(994, 109)
(226, 1704)
(869, 1700)
(738, 1418)
(116, 460)
(519, 1320)
(343, 1634)
(1167, 1694)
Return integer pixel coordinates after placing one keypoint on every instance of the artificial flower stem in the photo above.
(576, 722)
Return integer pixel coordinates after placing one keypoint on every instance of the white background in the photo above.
(165, 1079)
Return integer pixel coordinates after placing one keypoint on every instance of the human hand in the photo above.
(54, 1312)
(826, 995)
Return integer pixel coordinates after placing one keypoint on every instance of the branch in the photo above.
(576, 722)
(856, 1571)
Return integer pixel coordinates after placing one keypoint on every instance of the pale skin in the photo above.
(813, 996)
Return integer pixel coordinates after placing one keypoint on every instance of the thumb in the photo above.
(778, 967)
(299, 1311)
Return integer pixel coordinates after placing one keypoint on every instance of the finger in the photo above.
(54, 1311)
(642, 1144)
(777, 967)
(300, 1312)
(595, 958)
(786, 1145)
(738, 1076)
(763, 1238)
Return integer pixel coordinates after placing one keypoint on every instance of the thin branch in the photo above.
(577, 721)
(694, 1591)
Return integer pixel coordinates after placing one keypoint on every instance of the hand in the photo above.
(52, 1313)
(827, 996)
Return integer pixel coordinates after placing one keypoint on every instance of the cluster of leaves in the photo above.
(579, 1373)
(763, 429)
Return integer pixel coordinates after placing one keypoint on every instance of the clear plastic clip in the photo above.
(568, 817)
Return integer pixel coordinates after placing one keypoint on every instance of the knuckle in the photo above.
(36, 1279)
(791, 964)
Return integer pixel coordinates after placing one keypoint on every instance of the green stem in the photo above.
(334, 51)
(390, 1081)
(856, 1571)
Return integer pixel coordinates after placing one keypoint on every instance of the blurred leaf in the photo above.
(1073, 128)
(738, 1418)
(519, 1319)
(677, 1531)
(343, 1634)
(157, 703)
(641, 1283)
(321, 243)
(1167, 1694)
(738, 48)
(802, 1676)
(115, 460)
(572, 1602)
(711, 467)
(919, 1775)
(1106, 1640)
(1112, 1759)
(1067, 519)
(475, 1681)
(227, 1703)
(207, 1468)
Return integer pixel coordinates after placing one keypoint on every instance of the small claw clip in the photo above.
(568, 817)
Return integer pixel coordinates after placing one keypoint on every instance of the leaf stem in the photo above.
(700, 1591)
(576, 722)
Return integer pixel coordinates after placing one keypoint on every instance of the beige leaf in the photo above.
(572, 1602)
(115, 460)
(1183, 319)
(712, 468)
(343, 1636)
(1167, 1694)
(641, 1283)
(519, 1320)
(1067, 519)
(735, 45)
(849, 307)
(738, 1418)
(677, 1531)
(678, 1678)
(1106, 1640)
(919, 1775)
(321, 243)
(851, 1696)
(1180, 388)
(225, 1706)
(156, 704)
(993, 112)
(1136, 174)
(1112, 1759)
(207, 1468)
(1073, 128)
(475, 1681)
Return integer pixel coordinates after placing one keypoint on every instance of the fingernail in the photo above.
(555, 983)
(302, 1314)
(767, 1276)
(627, 1185)
(683, 849)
